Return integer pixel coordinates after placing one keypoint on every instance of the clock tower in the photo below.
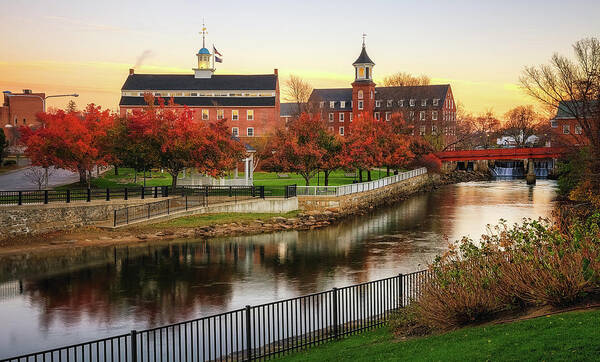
(363, 87)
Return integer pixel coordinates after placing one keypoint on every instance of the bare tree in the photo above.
(38, 175)
(71, 106)
(522, 123)
(298, 91)
(574, 85)
(402, 79)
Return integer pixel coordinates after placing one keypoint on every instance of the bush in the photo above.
(407, 322)
(533, 263)
(571, 171)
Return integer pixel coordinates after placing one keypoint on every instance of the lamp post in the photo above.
(43, 109)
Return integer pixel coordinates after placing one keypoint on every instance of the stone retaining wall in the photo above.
(355, 203)
(39, 219)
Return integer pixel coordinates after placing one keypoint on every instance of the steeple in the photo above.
(363, 65)
(204, 70)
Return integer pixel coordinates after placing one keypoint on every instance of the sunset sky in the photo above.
(479, 47)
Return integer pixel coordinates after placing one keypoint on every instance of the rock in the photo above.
(142, 237)
(105, 238)
(291, 221)
(267, 225)
(311, 218)
(333, 210)
(279, 219)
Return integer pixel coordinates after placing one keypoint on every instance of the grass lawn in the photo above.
(336, 178)
(212, 219)
(571, 336)
(126, 177)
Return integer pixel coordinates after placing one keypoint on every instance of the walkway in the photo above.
(17, 180)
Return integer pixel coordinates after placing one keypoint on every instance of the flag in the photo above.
(218, 60)
(216, 51)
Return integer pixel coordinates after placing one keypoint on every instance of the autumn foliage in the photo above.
(72, 141)
(156, 136)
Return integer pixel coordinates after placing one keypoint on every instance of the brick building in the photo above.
(430, 109)
(566, 130)
(20, 109)
(249, 103)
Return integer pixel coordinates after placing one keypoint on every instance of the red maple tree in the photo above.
(69, 140)
(171, 139)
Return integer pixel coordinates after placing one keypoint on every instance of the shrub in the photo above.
(407, 322)
(533, 263)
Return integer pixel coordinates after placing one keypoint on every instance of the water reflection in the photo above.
(158, 284)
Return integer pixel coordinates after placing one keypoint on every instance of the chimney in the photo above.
(26, 91)
(131, 71)
(275, 71)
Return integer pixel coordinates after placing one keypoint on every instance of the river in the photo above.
(176, 281)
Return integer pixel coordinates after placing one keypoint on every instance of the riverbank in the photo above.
(204, 226)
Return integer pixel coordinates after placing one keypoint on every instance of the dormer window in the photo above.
(343, 104)
(390, 102)
(321, 104)
(436, 101)
(412, 102)
(377, 103)
(424, 102)
(331, 104)
(401, 103)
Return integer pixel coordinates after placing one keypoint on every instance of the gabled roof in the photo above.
(288, 109)
(332, 94)
(207, 101)
(437, 91)
(363, 58)
(574, 109)
(189, 82)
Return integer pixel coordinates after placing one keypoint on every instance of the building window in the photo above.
(360, 94)
(330, 117)
(436, 101)
(331, 104)
(350, 117)
(578, 129)
(422, 130)
(330, 129)
(434, 115)
(388, 116)
(377, 103)
(411, 115)
(205, 114)
(220, 113)
(250, 114)
(389, 102)
(235, 115)
(342, 131)
(360, 105)
(423, 102)
(342, 104)
(554, 123)
(401, 103)
(250, 131)
(372, 95)
(193, 94)
(321, 104)
(235, 131)
(341, 117)
(566, 129)
(128, 112)
(412, 102)
(434, 130)
(377, 116)
(422, 115)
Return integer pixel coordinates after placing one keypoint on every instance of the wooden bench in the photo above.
(283, 175)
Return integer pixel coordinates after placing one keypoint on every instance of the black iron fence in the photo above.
(108, 194)
(80, 195)
(254, 332)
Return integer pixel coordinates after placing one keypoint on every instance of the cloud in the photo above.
(84, 25)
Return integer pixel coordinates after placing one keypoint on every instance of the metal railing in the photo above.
(254, 332)
(195, 196)
(358, 187)
(80, 195)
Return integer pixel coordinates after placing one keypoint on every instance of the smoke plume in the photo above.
(142, 57)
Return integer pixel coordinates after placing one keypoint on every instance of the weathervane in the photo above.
(364, 36)
(203, 33)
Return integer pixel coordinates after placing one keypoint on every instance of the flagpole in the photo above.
(213, 57)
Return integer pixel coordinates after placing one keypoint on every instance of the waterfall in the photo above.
(508, 169)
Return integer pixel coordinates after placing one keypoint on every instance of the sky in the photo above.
(479, 47)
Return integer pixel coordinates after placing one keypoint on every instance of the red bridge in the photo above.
(502, 154)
